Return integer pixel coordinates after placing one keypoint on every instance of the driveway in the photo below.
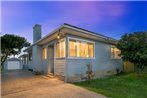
(23, 84)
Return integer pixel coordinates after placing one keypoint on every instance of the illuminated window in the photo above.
(60, 49)
(91, 50)
(82, 49)
(115, 53)
(72, 48)
(44, 53)
(57, 50)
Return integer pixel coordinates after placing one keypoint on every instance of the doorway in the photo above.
(51, 59)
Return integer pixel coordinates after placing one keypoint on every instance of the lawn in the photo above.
(119, 86)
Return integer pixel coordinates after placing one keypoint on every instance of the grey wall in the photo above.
(45, 62)
(36, 58)
(102, 63)
(37, 63)
(30, 64)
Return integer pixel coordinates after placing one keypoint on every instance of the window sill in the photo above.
(79, 58)
(60, 58)
(115, 58)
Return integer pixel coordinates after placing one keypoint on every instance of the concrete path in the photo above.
(23, 84)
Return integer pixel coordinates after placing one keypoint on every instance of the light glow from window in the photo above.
(44, 53)
(60, 49)
(115, 53)
(82, 49)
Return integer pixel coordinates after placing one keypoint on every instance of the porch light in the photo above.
(58, 36)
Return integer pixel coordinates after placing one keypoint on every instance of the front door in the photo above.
(51, 59)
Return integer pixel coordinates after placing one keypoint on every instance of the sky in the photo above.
(109, 18)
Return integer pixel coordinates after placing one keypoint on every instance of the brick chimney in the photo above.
(36, 33)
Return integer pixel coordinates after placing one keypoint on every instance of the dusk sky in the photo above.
(112, 19)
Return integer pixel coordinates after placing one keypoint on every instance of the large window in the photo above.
(72, 48)
(60, 49)
(115, 53)
(82, 49)
(44, 53)
(91, 50)
(57, 50)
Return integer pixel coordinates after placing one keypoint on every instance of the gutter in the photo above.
(74, 28)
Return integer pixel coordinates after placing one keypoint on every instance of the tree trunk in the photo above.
(3, 59)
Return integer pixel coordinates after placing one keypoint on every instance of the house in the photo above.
(12, 64)
(67, 50)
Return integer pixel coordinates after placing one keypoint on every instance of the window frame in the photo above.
(82, 40)
(63, 39)
(114, 53)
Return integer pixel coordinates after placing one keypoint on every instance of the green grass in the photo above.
(119, 86)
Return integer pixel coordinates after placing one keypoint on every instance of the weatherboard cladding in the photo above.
(102, 60)
(75, 67)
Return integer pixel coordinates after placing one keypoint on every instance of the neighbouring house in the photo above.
(12, 64)
(67, 50)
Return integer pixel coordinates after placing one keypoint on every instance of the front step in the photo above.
(50, 75)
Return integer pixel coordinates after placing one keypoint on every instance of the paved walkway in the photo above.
(23, 84)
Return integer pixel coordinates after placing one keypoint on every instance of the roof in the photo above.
(88, 31)
(65, 25)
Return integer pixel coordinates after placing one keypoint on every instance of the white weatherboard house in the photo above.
(68, 49)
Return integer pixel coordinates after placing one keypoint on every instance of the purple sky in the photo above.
(112, 19)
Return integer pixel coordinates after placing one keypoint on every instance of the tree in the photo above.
(134, 48)
(11, 45)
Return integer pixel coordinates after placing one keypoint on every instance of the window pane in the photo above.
(115, 53)
(91, 50)
(57, 50)
(78, 48)
(112, 52)
(62, 48)
(44, 53)
(83, 49)
(72, 48)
